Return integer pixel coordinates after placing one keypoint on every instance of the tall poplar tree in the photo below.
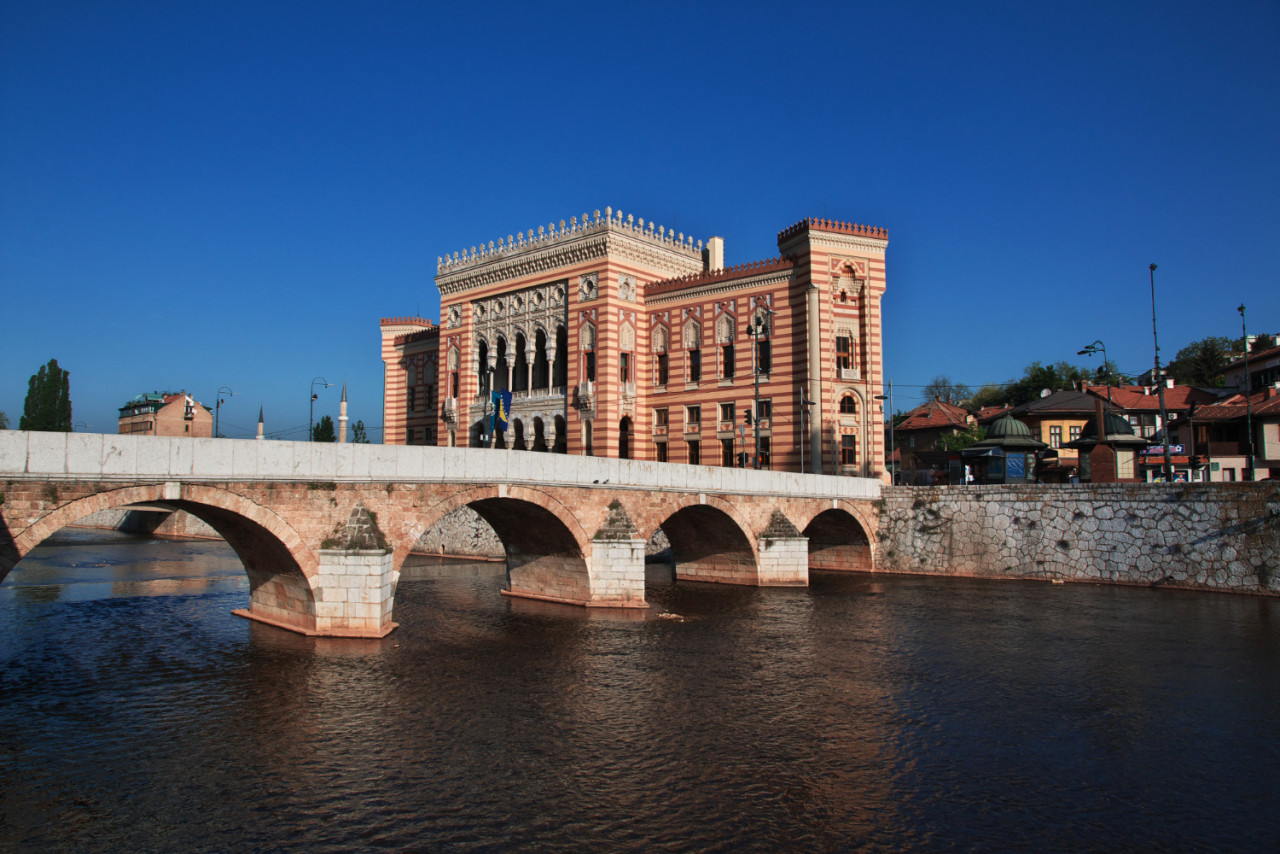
(48, 403)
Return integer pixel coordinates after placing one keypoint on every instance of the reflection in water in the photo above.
(863, 713)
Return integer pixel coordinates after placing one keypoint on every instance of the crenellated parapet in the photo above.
(580, 238)
(851, 228)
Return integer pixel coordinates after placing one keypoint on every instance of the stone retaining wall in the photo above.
(163, 523)
(1206, 536)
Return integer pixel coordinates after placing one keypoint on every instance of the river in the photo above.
(864, 713)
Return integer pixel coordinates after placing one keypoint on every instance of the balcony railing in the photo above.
(850, 374)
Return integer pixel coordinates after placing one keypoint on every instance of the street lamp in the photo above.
(217, 409)
(893, 475)
(805, 403)
(311, 413)
(1090, 350)
(1248, 407)
(758, 326)
(1157, 377)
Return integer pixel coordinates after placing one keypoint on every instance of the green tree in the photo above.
(1200, 363)
(991, 394)
(48, 403)
(961, 439)
(4, 421)
(943, 388)
(358, 436)
(323, 431)
(1060, 376)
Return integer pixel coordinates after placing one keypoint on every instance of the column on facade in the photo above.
(529, 357)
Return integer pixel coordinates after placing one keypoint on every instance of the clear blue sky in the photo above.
(201, 194)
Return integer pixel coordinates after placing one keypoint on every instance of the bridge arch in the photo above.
(277, 562)
(840, 539)
(710, 542)
(545, 543)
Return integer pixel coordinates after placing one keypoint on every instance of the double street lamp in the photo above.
(311, 414)
(893, 475)
(217, 409)
(1091, 350)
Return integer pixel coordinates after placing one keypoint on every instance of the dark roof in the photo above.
(1007, 433)
(1058, 401)
(1261, 354)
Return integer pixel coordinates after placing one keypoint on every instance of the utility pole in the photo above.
(1248, 407)
(1158, 377)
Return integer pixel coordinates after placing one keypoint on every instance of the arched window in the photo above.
(848, 406)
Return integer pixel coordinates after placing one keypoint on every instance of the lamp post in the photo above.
(311, 414)
(758, 325)
(217, 410)
(1157, 377)
(805, 403)
(1090, 350)
(893, 475)
(1248, 407)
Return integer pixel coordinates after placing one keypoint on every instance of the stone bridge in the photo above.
(574, 528)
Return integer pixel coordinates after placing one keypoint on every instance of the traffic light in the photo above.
(746, 418)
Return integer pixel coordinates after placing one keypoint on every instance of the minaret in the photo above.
(342, 415)
(259, 436)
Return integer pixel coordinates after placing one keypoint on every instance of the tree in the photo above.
(991, 394)
(1200, 363)
(323, 431)
(943, 388)
(961, 439)
(1036, 378)
(358, 436)
(48, 403)
(4, 421)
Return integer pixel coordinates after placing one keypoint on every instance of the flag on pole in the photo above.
(501, 410)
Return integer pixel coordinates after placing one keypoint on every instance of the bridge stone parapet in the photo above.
(574, 529)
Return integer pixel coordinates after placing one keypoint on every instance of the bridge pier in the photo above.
(352, 597)
(783, 554)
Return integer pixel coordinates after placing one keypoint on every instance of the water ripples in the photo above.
(863, 713)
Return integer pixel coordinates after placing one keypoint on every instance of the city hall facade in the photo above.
(619, 338)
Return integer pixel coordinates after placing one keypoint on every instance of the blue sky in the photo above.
(202, 194)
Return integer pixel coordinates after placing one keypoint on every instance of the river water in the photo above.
(864, 713)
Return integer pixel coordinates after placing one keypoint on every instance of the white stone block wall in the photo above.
(1207, 536)
(617, 573)
(354, 593)
(784, 562)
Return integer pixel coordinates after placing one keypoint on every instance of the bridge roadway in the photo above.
(574, 528)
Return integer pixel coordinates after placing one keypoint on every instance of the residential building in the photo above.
(1057, 418)
(617, 337)
(166, 414)
(1216, 437)
(1140, 406)
(1264, 367)
(919, 435)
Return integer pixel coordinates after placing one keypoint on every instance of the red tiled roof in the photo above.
(725, 274)
(1262, 403)
(934, 415)
(1136, 398)
(990, 413)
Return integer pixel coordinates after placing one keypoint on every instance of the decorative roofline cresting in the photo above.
(552, 245)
